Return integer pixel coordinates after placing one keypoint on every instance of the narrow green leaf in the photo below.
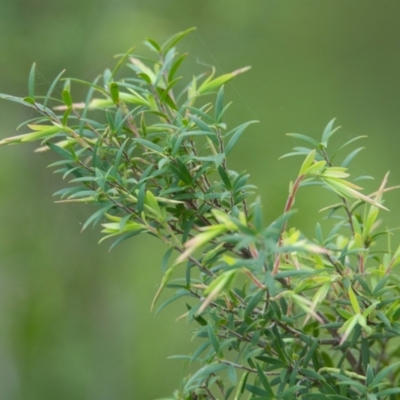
(383, 373)
(312, 374)
(354, 302)
(350, 157)
(184, 172)
(310, 353)
(327, 133)
(87, 104)
(264, 381)
(152, 202)
(114, 92)
(381, 284)
(203, 373)
(140, 198)
(164, 263)
(193, 315)
(51, 88)
(175, 67)
(166, 278)
(59, 150)
(235, 137)
(31, 82)
(201, 124)
(225, 178)
(97, 215)
(213, 338)
(92, 85)
(176, 296)
(173, 40)
(149, 145)
(351, 141)
(153, 45)
(124, 237)
(145, 77)
(221, 283)
(213, 84)
(388, 392)
(253, 302)
(307, 162)
(121, 62)
(303, 137)
(384, 319)
(45, 132)
(260, 393)
(288, 393)
(370, 375)
(241, 386)
(316, 168)
(219, 104)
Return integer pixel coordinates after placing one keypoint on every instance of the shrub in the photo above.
(280, 316)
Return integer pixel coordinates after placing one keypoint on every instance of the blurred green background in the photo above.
(74, 318)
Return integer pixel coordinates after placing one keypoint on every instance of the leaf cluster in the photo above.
(278, 315)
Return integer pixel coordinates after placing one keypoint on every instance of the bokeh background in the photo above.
(74, 318)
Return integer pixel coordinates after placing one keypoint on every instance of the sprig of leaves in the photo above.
(315, 318)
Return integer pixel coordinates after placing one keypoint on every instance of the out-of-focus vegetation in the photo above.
(74, 318)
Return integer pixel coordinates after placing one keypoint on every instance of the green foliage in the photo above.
(279, 316)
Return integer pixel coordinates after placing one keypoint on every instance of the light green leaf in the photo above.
(315, 168)
(354, 302)
(31, 83)
(307, 162)
(209, 86)
(348, 327)
(151, 201)
(222, 282)
(200, 239)
(328, 132)
(173, 40)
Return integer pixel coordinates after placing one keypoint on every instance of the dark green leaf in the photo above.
(203, 373)
(304, 137)
(381, 284)
(225, 178)
(123, 237)
(64, 153)
(257, 391)
(114, 92)
(288, 393)
(149, 145)
(236, 135)
(153, 45)
(350, 157)
(264, 381)
(97, 215)
(121, 62)
(199, 350)
(219, 104)
(213, 338)
(175, 67)
(252, 304)
(382, 374)
(387, 392)
(310, 353)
